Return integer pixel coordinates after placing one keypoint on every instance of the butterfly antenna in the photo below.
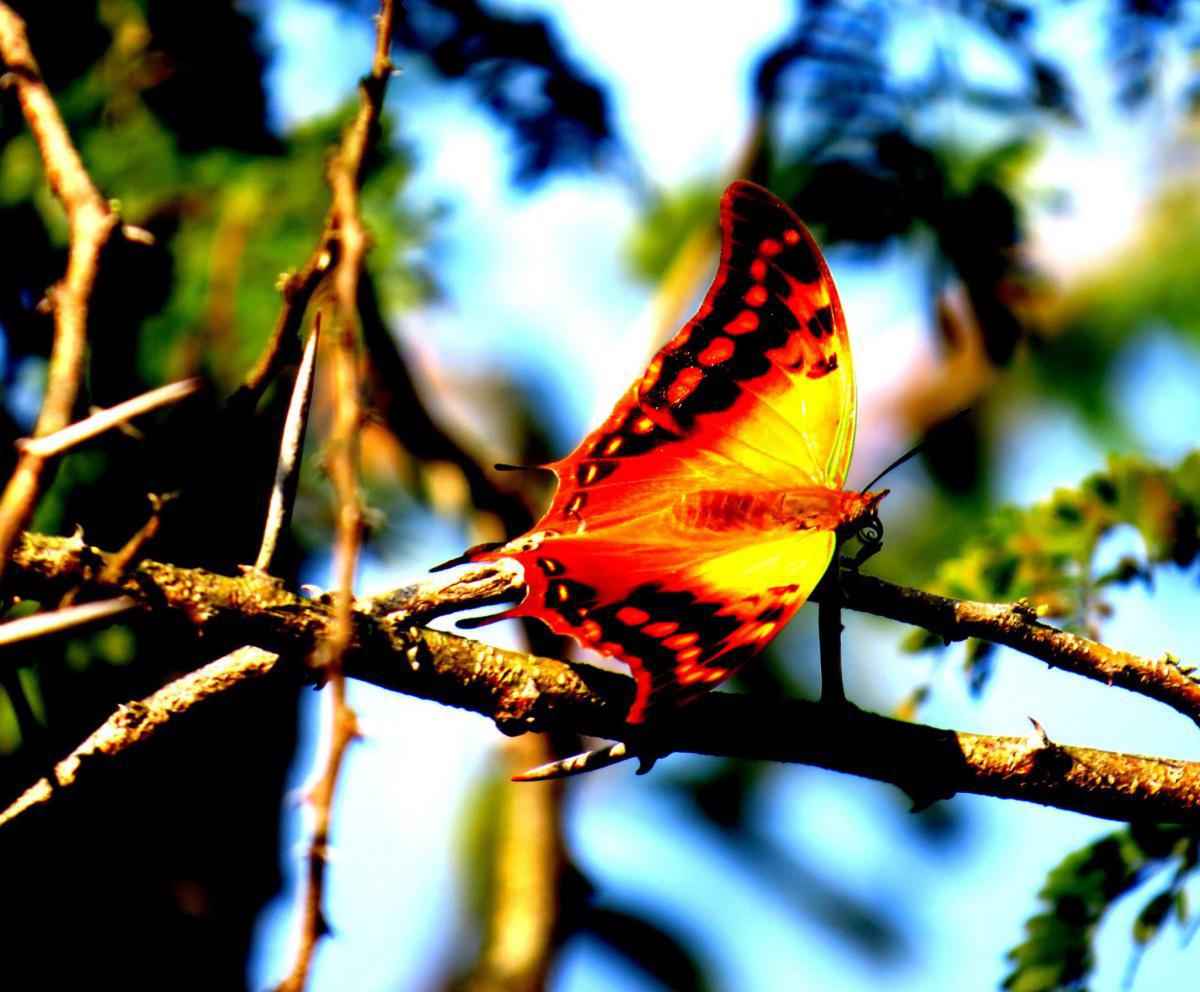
(915, 450)
(910, 453)
(589, 761)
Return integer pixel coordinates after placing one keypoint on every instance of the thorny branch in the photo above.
(523, 692)
(135, 722)
(91, 223)
(1016, 626)
(345, 172)
(1012, 625)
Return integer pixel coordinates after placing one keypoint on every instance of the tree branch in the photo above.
(91, 223)
(522, 692)
(135, 722)
(1016, 626)
(1012, 625)
(345, 173)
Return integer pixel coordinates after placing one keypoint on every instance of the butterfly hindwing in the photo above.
(672, 542)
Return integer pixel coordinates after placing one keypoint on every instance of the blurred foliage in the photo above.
(167, 105)
(1086, 330)
(518, 70)
(1047, 553)
(1057, 951)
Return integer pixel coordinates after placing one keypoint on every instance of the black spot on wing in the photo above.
(670, 614)
(823, 367)
(821, 322)
(570, 599)
(756, 215)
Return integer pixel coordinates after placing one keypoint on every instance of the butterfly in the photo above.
(690, 526)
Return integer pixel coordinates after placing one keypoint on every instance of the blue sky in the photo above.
(394, 887)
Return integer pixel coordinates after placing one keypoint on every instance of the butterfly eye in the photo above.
(870, 530)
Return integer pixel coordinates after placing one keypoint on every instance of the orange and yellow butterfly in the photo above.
(689, 527)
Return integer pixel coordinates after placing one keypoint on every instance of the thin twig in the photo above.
(283, 492)
(297, 289)
(56, 621)
(116, 566)
(345, 172)
(1016, 625)
(523, 692)
(50, 445)
(91, 223)
(135, 722)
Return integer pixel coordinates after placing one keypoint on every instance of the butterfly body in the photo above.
(690, 526)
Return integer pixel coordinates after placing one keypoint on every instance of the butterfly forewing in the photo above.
(662, 545)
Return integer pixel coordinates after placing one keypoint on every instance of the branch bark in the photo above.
(1012, 625)
(523, 692)
(345, 173)
(138, 721)
(91, 223)
(1016, 626)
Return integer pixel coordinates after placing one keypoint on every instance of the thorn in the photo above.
(474, 623)
(646, 761)
(137, 234)
(291, 445)
(1038, 738)
(314, 592)
(588, 761)
(413, 654)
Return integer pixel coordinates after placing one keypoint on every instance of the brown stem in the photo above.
(345, 172)
(136, 722)
(1013, 625)
(522, 692)
(91, 223)
(1017, 626)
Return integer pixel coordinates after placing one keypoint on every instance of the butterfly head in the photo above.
(860, 518)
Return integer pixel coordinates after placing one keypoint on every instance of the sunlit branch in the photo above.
(526, 867)
(56, 621)
(345, 173)
(104, 420)
(1016, 626)
(522, 692)
(1013, 625)
(91, 223)
(135, 722)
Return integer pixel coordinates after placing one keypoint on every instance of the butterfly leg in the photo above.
(829, 628)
